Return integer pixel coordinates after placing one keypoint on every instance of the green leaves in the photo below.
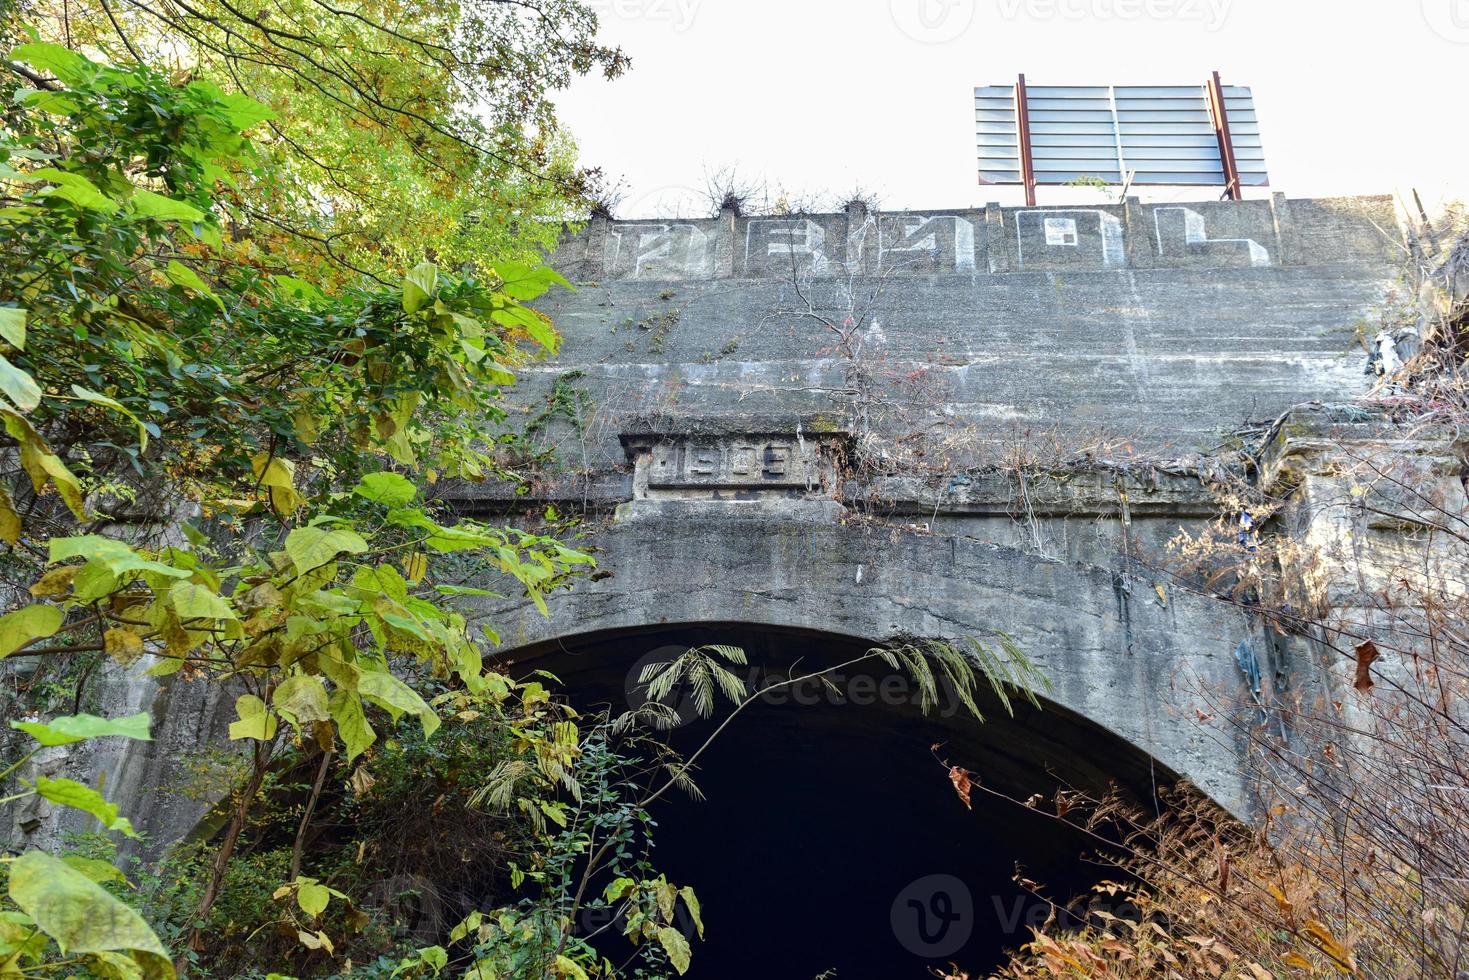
(68, 66)
(419, 286)
(255, 721)
(388, 489)
(69, 792)
(192, 601)
(74, 188)
(80, 728)
(525, 282)
(111, 554)
(81, 916)
(26, 625)
(676, 946)
(13, 326)
(181, 275)
(352, 725)
(97, 398)
(243, 111)
(386, 691)
(312, 897)
(536, 326)
(146, 204)
(312, 547)
(19, 386)
(303, 698)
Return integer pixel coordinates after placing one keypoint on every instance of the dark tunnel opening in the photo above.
(831, 842)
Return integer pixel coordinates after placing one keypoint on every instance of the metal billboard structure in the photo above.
(1206, 135)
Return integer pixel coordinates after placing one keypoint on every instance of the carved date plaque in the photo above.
(745, 465)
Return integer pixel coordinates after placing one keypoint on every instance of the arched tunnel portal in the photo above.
(830, 837)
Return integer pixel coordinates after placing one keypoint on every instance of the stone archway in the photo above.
(830, 837)
(1134, 665)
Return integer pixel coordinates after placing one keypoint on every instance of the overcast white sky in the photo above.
(1354, 96)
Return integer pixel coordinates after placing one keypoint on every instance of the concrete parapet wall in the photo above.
(1132, 235)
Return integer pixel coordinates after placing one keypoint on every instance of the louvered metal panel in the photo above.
(999, 135)
(1160, 134)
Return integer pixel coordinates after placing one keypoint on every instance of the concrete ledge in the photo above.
(678, 512)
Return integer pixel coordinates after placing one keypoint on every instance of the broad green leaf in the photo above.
(523, 281)
(619, 888)
(470, 923)
(24, 625)
(497, 373)
(692, 901)
(42, 465)
(534, 324)
(69, 792)
(97, 398)
(435, 956)
(278, 477)
(80, 915)
(568, 967)
(114, 555)
(386, 691)
(243, 111)
(80, 728)
(677, 948)
(419, 286)
(20, 937)
(352, 725)
(114, 966)
(298, 289)
(194, 601)
(181, 275)
(56, 103)
(18, 386)
(68, 66)
(74, 188)
(13, 326)
(165, 667)
(95, 869)
(466, 590)
(146, 204)
(458, 539)
(312, 547)
(389, 489)
(304, 697)
(312, 897)
(10, 525)
(255, 721)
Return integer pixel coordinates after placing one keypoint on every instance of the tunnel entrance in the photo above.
(831, 842)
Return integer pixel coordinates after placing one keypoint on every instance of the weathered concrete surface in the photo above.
(167, 783)
(938, 343)
(1165, 325)
(1146, 333)
(1133, 662)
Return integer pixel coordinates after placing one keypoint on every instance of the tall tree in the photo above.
(399, 129)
